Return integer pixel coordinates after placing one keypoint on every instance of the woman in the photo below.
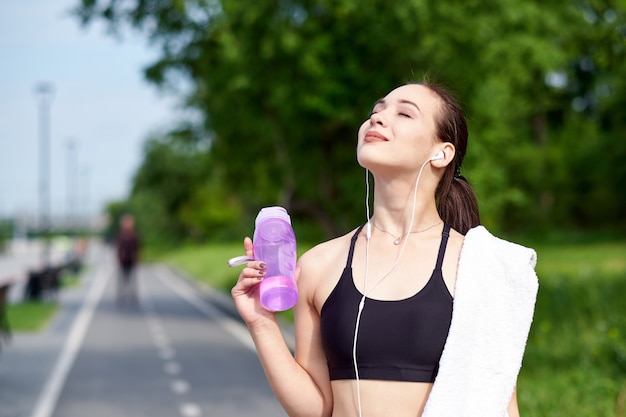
(418, 312)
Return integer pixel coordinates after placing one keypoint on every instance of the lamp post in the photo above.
(85, 189)
(72, 186)
(44, 92)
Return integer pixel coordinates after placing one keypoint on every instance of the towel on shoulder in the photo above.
(494, 301)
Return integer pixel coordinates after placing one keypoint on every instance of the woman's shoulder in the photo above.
(480, 239)
(328, 252)
(322, 265)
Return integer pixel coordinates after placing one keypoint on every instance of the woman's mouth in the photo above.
(373, 136)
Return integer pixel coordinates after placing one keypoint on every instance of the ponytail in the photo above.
(456, 202)
(457, 205)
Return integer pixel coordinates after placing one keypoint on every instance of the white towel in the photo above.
(494, 301)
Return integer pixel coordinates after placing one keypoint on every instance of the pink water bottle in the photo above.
(275, 244)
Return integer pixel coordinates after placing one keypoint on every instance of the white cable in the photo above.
(368, 235)
(368, 231)
(356, 366)
(365, 290)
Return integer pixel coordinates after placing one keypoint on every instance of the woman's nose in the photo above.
(377, 118)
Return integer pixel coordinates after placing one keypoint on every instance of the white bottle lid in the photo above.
(269, 212)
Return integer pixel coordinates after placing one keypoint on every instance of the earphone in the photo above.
(368, 235)
(440, 155)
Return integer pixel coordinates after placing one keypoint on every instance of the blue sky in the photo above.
(100, 102)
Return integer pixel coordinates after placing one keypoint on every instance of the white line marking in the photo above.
(50, 394)
(236, 329)
(180, 386)
(190, 410)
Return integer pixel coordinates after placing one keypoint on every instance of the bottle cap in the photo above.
(269, 212)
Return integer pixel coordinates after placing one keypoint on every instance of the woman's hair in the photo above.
(456, 202)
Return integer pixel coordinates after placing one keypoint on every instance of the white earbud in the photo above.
(440, 155)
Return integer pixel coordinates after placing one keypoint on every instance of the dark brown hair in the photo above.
(456, 202)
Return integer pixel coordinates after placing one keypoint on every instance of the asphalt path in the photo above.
(174, 351)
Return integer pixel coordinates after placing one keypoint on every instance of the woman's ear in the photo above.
(444, 156)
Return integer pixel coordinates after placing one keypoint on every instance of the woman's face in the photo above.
(400, 132)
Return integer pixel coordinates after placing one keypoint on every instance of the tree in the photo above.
(284, 85)
(175, 194)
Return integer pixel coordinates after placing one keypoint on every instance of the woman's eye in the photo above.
(404, 114)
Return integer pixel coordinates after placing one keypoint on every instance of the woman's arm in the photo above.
(302, 386)
(512, 409)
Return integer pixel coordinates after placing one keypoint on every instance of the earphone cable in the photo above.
(368, 234)
(365, 290)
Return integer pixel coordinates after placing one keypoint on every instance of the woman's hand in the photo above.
(246, 291)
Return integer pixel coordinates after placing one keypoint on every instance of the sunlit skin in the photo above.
(393, 143)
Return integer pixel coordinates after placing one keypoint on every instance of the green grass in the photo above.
(34, 316)
(72, 280)
(575, 362)
(207, 263)
(30, 316)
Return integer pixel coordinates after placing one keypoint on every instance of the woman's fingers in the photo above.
(256, 269)
(249, 256)
(248, 247)
(252, 274)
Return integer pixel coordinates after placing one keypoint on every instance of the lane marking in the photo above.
(49, 396)
(180, 386)
(235, 328)
(190, 410)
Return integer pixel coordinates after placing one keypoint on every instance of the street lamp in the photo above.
(72, 186)
(44, 92)
(85, 189)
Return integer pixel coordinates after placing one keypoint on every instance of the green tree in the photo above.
(176, 195)
(284, 85)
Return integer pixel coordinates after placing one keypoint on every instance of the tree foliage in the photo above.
(283, 85)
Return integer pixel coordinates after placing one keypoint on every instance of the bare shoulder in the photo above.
(321, 267)
(456, 240)
(451, 260)
(321, 254)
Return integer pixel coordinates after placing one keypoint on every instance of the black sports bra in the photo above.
(398, 340)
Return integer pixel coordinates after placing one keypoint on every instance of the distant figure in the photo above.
(128, 247)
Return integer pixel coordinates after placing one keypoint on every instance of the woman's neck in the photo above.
(394, 206)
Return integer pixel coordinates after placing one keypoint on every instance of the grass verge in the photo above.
(33, 316)
(30, 316)
(575, 362)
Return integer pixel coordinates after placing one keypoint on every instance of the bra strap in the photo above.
(352, 242)
(442, 247)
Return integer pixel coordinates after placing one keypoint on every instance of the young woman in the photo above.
(417, 312)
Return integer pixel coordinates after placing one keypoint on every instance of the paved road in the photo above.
(173, 353)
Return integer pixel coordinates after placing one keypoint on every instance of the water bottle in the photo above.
(275, 244)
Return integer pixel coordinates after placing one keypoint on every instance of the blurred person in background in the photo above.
(128, 248)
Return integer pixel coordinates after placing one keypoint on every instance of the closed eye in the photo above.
(375, 110)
